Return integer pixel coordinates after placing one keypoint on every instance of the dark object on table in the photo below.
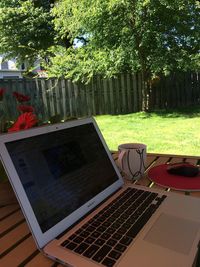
(183, 169)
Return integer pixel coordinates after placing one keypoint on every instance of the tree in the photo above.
(26, 29)
(151, 36)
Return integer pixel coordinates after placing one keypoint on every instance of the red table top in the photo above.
(160, 176)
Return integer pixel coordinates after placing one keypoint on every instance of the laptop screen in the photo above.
(62, 170)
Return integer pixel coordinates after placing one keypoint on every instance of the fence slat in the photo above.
(119, 95)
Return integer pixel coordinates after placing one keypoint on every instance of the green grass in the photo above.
(175, 132)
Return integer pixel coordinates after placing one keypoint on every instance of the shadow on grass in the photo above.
(187, 112)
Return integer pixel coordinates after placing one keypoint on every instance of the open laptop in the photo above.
(81, 213)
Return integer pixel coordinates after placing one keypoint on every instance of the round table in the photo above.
(160, 176)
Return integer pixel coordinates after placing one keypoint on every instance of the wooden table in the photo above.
(17, 247)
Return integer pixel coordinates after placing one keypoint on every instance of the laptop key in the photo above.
(111, 242)
(100, 242)
(120, 247)
(71, 246)
(110, 230)
(66, 242)
(106, 236)
(117, 236)
(81, 248)
(108, 262)
(126, 240)
(134, 230)
(102, 253)
(78, 239)
(90, 251)
(72, 237)
(114, 254)
(90, 240)
(122, 231)
(96, 234)
(84, 234)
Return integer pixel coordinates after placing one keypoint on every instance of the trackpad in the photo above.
(173, 233)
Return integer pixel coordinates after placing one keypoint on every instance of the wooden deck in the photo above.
(17, 247)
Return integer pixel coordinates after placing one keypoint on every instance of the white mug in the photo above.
(132, 160)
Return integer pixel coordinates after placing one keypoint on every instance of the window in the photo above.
(4, 65)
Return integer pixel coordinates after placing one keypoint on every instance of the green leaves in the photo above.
(26, 31)
(129, 35)
(118, 35)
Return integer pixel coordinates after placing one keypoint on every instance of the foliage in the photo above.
(125, 35)
(117, 35)
(26, 29)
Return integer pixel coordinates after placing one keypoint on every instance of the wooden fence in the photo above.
(176, 90)
(119, 95)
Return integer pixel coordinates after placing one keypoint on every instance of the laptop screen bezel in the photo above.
(43, 238)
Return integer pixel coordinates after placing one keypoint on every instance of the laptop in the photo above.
(82, 214)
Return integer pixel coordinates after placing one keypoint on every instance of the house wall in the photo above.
(9, 69)
(10, 74)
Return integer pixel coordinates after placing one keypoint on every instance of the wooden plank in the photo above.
(186, 98)
(83, 102)
(19, 254)
(11, 221)
(164, 93)
(8, 210)
(12, 101)
(7, 196)
(106, 99)
(40, 261)
(149, 160)
(123, 93)
(139, 91)
(37, 100)
(188, 92)
(13, 237)
(118, 102)
(135, 93)
(112, 98)
(45, 98)
(98, 95)
(75, 99)
(129, 95)
(63, 99)
(195, 194)
(93, 96)
(57, 97)
(170, 91)
(174, 156)
(88, 100)
(195, 83)
(51, 93)
(70, 99)
(191, 161)
(176, 159)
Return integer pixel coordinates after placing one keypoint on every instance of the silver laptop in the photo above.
(79, 210)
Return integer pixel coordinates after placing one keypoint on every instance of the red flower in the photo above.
(24, 121)
(2, 91)
(24, 108)
(21, 97)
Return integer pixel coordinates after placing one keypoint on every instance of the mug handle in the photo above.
(120, 159)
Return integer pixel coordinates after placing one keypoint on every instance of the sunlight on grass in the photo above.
(173, 133)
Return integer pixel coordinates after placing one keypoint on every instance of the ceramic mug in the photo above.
(132, 160)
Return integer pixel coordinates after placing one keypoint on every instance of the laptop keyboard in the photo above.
(107, 235)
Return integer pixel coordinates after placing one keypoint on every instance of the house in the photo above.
(10, 70)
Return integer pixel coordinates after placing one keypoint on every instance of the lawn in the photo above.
(175, 132)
